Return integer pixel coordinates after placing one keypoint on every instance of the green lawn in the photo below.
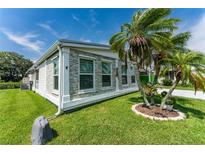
(18, 110)
(109, 122)
(179, 87)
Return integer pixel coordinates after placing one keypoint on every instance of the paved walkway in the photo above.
(186, 93)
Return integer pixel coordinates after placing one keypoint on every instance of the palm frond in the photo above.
(181, 39)
(152, 15)
(163, 25)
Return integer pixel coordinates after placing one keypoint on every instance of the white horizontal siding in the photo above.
(42, 78)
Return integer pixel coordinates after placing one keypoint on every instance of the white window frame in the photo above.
(132, 73)
(111, 84)
(124, 75)
(90, 90)
(55, 91)
(37, 81)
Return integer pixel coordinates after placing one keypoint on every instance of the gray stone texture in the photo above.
(74, 74)
(41, 131)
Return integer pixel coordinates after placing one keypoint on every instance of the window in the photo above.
(86, 74)
(37, 78)
(55, 73)
(106, 74)
(132, 74)
(124, 74)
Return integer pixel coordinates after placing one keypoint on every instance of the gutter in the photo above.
(60, 86)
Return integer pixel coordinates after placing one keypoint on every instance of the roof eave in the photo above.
(64, 43)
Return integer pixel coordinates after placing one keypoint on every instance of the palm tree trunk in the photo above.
(152, 100)
(157, 71)
(146, 102)
(164, 100)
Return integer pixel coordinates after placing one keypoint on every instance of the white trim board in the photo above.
(54, 100)
(97, 98)
(105, 53)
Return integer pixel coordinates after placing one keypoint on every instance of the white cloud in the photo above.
(104, 42)
(93, 18)
(197, 42)
(85, 40)
(75, 18)
(34, 60)
(79, 21)
(52, 31)
(25, 40)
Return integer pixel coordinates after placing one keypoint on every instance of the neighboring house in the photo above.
(72, 74)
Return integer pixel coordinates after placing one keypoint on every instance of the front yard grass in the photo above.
(179, 88)
(18, 110)
(109, 122)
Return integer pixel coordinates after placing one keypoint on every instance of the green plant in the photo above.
(170, 101)
(167, 82)
(164, 93)
(188, 68)
(150, 89)
(178, 43)
(149, 30)
(186, 85)
(10, 85)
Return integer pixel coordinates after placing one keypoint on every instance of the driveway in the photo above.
(186, 93)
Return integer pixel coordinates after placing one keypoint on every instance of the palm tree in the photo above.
(149, 29)
(179, 42)
(188, 68)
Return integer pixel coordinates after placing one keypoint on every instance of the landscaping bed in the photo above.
(156, 111)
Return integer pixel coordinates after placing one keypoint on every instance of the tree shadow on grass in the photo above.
(189, 111)
(139, 99)
(134, 100)
(55, 133)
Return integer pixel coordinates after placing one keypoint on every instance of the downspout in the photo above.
(60, 81)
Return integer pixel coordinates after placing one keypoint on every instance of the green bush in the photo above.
(167, 82)
(163, 94)
(10, 85)
(186, 85)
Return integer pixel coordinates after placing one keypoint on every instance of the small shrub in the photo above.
(163, 94)
(10, 85)
(167, 82)
(171, 101)
(186, 85)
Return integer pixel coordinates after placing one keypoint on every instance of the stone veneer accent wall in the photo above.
(74, 74)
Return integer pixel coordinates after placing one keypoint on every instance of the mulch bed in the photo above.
(156, 111)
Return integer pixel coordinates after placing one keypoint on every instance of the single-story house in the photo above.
(73, 74)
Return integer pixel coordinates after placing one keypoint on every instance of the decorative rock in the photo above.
(181, 116)
(41, 131)
(169, 107)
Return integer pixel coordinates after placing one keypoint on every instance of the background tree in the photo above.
(13, 66)
(179, 42)
(149, 29)
(188, 68)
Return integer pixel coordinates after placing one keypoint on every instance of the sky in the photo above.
(31, 32)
